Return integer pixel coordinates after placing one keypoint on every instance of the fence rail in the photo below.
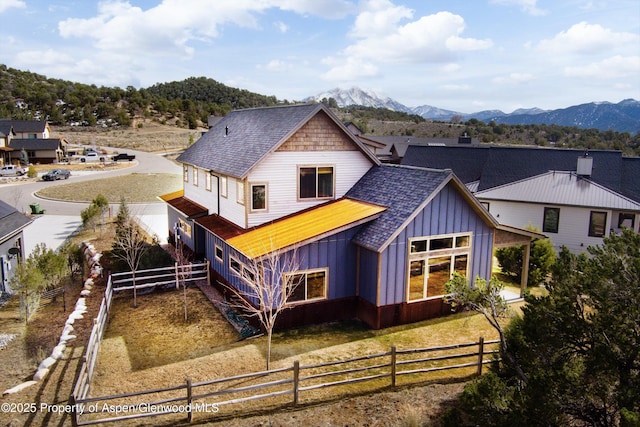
(164, 276)
(83, 383)
(385, 367)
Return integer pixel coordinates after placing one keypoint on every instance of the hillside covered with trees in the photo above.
(188, 104)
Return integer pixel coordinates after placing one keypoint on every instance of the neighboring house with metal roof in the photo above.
(373, 241)
(575, 199)
(571, 209)
(12, 224)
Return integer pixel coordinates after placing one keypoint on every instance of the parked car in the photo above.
(123, 156)
(92, 156)
(56, 174)
(12, 170)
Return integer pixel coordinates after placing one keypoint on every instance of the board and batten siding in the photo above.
(573, 227)
(334, 253)
(173, 215)
(280, 172)
(447, 213)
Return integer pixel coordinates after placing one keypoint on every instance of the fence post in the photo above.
(296, 381)
(189, 400)
(480, 354)
(177, 280)
(208, 274)
(393, 366)
(74, 411)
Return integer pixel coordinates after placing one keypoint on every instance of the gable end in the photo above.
(320, 133)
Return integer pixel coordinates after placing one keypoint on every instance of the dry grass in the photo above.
(151, 136)
(135, 188)
(156, 337)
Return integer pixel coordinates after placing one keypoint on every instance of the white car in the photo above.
(12, 170)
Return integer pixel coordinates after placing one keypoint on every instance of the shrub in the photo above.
(32, 172)
(542, 256)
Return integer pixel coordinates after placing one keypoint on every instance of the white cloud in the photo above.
(382, 38)
(276, 65)
(8, 4)
(451, 68)
(527, 6)
(514, 78)
(456, 88)
(349, 70)
(172, 25)
(281, 26)
(586, 38)
(610, 68)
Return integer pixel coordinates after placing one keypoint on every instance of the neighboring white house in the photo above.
(569, 208)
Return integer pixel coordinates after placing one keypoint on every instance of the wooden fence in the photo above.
(381, 369)
(121, 282)
(83, 383)
(158, 277)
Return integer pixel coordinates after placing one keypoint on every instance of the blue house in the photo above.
(375, 242)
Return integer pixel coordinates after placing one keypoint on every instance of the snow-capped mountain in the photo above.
(623, 116)
(357, 96)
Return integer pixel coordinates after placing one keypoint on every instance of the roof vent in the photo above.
(585, 165)
(226, 130)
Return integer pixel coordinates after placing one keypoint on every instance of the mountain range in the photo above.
(622, 117)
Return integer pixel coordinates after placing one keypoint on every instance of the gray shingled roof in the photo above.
(11, 220)
(35, 144)
(25, 125)
(402, 189)
(241, 139)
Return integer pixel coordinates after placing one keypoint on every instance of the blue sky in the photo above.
(463, 55)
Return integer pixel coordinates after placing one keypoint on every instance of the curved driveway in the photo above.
(63, 218)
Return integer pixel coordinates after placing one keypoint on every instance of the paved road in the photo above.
(63, 218)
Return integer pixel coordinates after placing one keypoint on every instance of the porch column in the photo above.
(524, 279)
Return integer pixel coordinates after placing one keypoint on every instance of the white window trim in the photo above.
(207, 181)
(318, 166)
(185, 173)
(266, 196)
(306, 272)
(438, 253)
(195, 176)
(224, 186)
(240, 193)
(215, 252)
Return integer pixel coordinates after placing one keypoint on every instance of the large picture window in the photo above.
(316, 182)
(432, 261)
(551, 220)
(597, 224)
(311, 285)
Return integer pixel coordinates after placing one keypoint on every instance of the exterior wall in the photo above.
(280, 173)
(447, 213)
(573, 227)
(173, 217)
(199, 193)
(8, 263)
(335, 253)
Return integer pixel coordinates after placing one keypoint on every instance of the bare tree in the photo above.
(269, 283)
(130, 246)
(183, 271)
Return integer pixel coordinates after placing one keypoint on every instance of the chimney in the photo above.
(585, 165)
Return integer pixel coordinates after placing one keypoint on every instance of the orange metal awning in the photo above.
(310, 224)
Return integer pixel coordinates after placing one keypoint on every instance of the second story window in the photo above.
(195, 176)
(316, 182)
(258, 197)
(185, 173)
